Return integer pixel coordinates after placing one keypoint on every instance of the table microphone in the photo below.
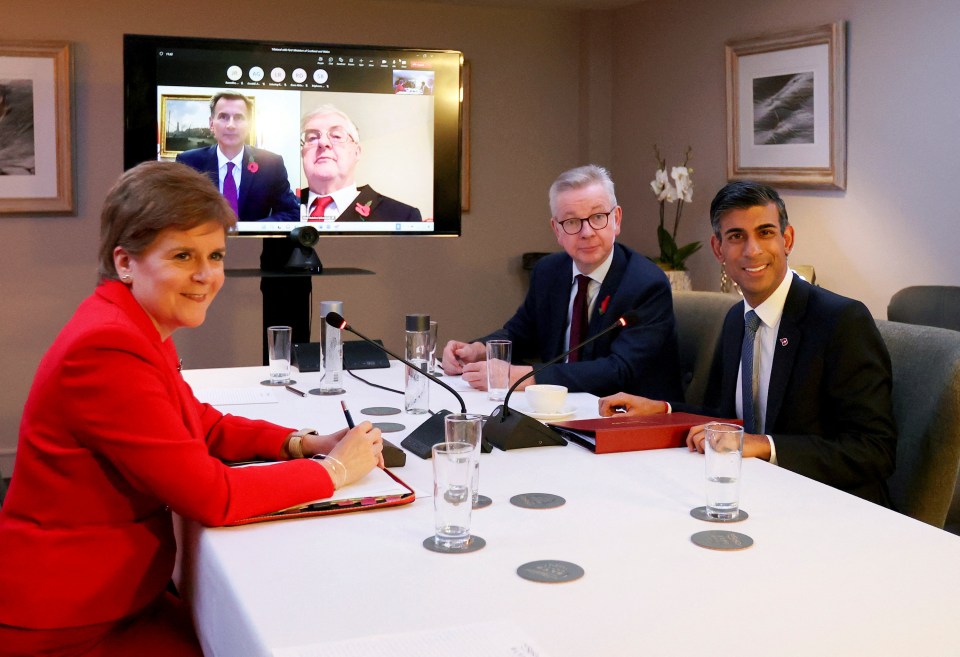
(422, 439)
(507, 428)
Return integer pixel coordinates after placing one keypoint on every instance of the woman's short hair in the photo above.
(580, 177)
(152, 197)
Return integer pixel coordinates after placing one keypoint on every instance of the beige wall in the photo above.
(898, 222)
(523, 62)
(541, 81)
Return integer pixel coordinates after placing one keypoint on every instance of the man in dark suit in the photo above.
(642, 358)
(260, 177)
(330, 150)
(259, 190)
(818, 397)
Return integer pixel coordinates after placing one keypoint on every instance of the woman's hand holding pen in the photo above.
(358, 451)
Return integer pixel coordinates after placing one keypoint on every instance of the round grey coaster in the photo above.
(537, 501)
(326, 393)
(380, 410)
(718, 539)
(475, 543)
(270, 383)
(550, 571)
(700, 513)
(482, 502)
(389, 427)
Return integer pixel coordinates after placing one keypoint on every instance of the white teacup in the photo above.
(546, 398)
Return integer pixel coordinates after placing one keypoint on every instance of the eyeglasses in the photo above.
(597, 221)
(335, 136)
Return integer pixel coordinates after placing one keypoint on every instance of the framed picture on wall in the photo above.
(786, 108)
(185, 124)
(465, 140)
(36, 121)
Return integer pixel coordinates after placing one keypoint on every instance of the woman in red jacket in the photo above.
(112, 440)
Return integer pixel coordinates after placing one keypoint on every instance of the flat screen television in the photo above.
(405, 103)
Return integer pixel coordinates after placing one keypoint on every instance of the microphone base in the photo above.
(517, 431)
(422, 439)
(393, 456)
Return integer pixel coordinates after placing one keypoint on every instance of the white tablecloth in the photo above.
(829, 574)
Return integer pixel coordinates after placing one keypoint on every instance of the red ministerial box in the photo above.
(633, 433)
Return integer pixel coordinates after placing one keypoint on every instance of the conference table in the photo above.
(827, 574)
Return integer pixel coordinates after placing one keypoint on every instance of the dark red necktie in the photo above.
(579, 318)
(319, 207)
(230, 188)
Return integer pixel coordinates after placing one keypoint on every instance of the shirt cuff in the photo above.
(669, 407)
(773, 449)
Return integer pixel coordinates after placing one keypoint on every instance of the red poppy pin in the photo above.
(604, 304)
(253, 167)
(363, 209)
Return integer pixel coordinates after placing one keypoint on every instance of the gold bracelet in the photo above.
(337, 476)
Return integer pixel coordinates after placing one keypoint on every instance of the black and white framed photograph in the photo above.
(36, 137)
(786, 108)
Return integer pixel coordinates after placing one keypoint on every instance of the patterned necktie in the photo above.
(319, 207)
(578, 319)
(748, 376)
(230, 189)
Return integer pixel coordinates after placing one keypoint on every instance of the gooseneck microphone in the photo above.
(422, 439)
(507, 428)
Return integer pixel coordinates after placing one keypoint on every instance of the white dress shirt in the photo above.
(222, 167)
(593, 289)
(342, 198)
(770, 312)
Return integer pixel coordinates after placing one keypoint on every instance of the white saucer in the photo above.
(564, 414)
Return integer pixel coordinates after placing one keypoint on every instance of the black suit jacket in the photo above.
(829, 407)
(263, 195)
(641, 359)
(375, 207)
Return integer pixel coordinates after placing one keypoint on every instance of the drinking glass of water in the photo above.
(499, 353)
(723, 449)
(466, 428)
(278, 347)
(453, 471)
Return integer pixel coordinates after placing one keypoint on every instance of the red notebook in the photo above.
(378, 490)
(622, 433)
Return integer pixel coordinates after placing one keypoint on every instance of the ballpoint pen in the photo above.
(346, 414)
(295, 391)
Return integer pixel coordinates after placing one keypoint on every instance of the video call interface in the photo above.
(390, 95)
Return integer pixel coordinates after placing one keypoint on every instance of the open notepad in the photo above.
(378, 489)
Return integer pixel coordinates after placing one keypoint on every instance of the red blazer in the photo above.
(112, 439)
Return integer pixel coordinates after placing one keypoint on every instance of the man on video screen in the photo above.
(330, 150)
(257, 187)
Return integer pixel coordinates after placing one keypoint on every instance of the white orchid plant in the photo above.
(679, 191)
